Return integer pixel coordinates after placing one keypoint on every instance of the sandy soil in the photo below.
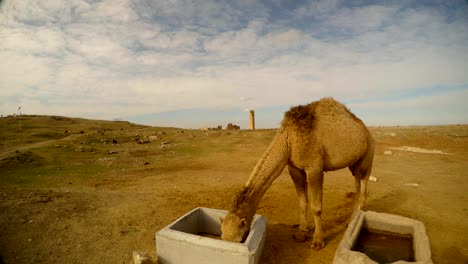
(104, 220)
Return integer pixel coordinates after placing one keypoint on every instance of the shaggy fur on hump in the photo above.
(301, 116)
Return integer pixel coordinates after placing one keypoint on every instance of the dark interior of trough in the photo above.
(385, 247)
(199, 223)
(204, 234)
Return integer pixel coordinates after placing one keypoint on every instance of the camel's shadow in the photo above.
(281, 247)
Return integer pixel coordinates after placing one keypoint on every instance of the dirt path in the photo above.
(4, 153)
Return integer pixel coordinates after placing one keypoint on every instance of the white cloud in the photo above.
(116, 11)
(318, 8)
(435, 109)
(362, 19)
(124, 58)
(41, 40)
(20, 72)
(287, 38)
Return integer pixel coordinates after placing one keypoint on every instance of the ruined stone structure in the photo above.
(231, 126)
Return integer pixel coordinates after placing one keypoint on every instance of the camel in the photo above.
(315, 138)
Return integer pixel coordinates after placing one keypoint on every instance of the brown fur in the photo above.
(321, 136)
(240, 197)
(300, 117)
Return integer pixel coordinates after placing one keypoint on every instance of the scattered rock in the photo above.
(57, 146)
(83, 149)
(81, 132)
(141, 258)
(372, 179)
(80, 149)
(420, 150)
(42, 199)
(164, 144)
(161, 133)
(112, 152)
(114, 141)
(143, 141)
(412, 184)
(146, 163)
(388, 152)
(153, 137)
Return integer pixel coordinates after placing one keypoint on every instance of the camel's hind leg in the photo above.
(361, 172)
(300, 183)
(315, 180)
(360, 182)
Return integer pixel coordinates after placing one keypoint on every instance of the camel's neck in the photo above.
(265, 172)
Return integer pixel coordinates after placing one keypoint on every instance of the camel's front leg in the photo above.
(315, 179)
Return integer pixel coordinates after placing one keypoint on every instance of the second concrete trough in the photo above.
(384, 222)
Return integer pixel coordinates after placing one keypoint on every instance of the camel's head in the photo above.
(234, 228)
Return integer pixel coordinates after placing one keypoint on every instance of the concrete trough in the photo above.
(180, 242)
(385, 223)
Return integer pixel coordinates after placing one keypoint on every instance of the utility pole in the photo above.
(19, 110)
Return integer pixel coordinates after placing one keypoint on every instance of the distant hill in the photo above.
(36, 128)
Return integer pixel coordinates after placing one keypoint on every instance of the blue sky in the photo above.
(202, 63)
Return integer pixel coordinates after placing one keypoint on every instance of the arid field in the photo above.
(87, 191)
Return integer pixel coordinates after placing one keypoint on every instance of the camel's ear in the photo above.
(221, 220)
(243, 221)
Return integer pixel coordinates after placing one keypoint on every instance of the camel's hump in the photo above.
(303, 116)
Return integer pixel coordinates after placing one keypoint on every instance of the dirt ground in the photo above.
(103, 219)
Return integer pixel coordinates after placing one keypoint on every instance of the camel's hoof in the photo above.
(300, 236)
(299, 227)
(317, 244)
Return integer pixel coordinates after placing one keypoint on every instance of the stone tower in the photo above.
(252, 119)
